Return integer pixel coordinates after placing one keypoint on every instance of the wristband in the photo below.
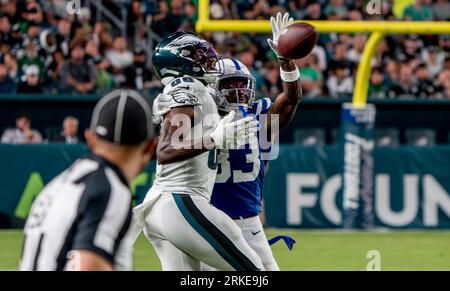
(291, 76)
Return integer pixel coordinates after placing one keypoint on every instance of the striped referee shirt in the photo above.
(87, 207)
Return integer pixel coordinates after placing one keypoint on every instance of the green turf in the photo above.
(314, 250)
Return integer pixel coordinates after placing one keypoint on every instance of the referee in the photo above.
(80, 220)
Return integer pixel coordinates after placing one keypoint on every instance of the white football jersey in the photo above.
(197, 174)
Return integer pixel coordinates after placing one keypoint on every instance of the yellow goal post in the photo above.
(377, 30)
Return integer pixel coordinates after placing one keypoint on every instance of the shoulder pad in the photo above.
(158, 110)
(183, 91)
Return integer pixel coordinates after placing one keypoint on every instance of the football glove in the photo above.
(234, 134)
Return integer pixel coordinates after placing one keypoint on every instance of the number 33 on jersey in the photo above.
(238, 186)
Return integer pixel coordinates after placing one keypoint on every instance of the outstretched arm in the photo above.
(286, 103)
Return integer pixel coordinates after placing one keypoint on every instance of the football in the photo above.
(297, 41)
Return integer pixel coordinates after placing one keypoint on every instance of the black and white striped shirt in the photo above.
(87, 207)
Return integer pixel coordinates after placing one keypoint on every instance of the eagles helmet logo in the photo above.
(181, 95)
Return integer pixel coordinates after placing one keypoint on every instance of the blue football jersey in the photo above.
(239, 182)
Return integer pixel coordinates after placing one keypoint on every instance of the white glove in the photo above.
(278, 25)
(233, 135)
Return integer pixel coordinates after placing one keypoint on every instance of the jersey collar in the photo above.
(104, 162)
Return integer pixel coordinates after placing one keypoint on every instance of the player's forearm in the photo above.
(292, 90)
(168, 152)
(285, 105)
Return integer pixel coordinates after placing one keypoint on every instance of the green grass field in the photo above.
(314, 250)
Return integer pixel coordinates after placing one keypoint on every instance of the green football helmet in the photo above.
(185, 53)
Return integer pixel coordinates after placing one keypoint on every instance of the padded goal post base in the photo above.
(357, 143)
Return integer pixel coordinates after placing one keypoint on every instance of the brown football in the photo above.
(297, 40)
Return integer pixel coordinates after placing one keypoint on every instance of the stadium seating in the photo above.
(387, 136)
(420, 137)
(309, 136)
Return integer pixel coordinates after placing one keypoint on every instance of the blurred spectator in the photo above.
(23, 133)
(444, 43)
(425, 85)
(102, 35)
(441, 10)
(411, 48)
(340, 56)
(31, 57)
(339, 83)
(160, 17)
(92, 51)
(298, 8)
(251, 9)
(434, 60)
(119, 56)
(355, 15)
(248, 59)
(311, 78)
(447, 63)
(272, 82)
(190, 13)
(11, 65)
(138, 75)
(377, 84)
(31, 83)
(55, 8)
(77, 74)
(105, 80)
(355, 53)
(407, 84)
(69, 135)
(321, 57)
(54, 57)
(9, 9)
(31, 11)
(63, 37)
(336, 8)
(392, 71)
(32, 34)
(5, 28)
(382, 54)
(139, 19)
(16, 38)
(443, 84)
(224, 9)
(83, 24)
(314, 12)
(419, 11)
(136, 16)
(7, 84)
(339, 61)
(168, 18)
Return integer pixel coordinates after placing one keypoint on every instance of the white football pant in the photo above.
(186, 230)
(253, 232)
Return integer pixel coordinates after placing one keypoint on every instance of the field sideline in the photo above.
(314, 250)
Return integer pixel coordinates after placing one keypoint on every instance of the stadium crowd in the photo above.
(43, 49)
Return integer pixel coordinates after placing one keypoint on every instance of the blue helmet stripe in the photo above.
(236, 64)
